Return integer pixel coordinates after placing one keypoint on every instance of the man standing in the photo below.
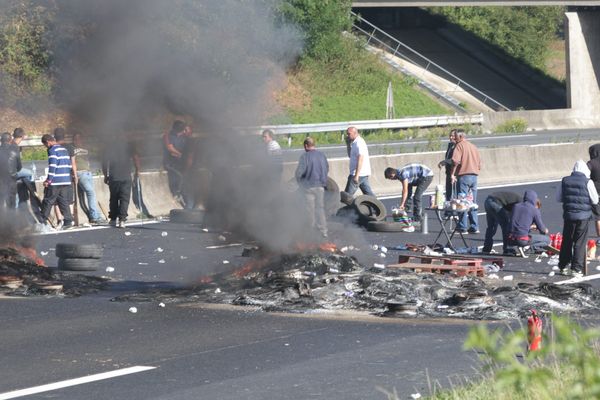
(360, 166)
(498, 207)
(447, 162)
(275, 155)
(411, 176)
(594, 166)
(578, 195)
(85, 180)
(465, 169)
(10, 165)
(311, 175)
(176, 148)
(116, 168)
(57, 186)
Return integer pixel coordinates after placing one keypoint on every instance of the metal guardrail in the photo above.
(402, 123)
(399, 49)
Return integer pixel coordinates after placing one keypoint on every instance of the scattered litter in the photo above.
(183, 257)
(442, 306)
(217, 290)
(430, 252)
(383, 249)
(538, 259)
(491, 268)
(382, 255)
(161, 305)
(555, 268)
(400, 247)
(351, 247)
(204, 230)
(408, 229)
(225, 262)
(552, 273)
(161, 261)
(379, 266)
(222, 238)
(375, 247)
(349, 293)
(44, 253)
(416, 395)
(142, 263)
(334, 270)
(163, 234)
(553, 260)
(508, 278)
(344, 249)
(127, 233)
(133, 310)
(224, 246)
(493, 276)
(110, 269)
(159, 249)
(544, 254)
(448, 250)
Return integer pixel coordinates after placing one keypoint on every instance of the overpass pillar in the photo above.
(583, 62)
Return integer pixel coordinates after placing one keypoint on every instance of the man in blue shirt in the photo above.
(57, 186)
(412, 176)
(311, 175)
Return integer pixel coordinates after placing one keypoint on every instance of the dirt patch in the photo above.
(293, 97)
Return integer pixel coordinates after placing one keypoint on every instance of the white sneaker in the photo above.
(121, 224)
(577, 274)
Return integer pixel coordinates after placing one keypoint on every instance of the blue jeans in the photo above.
(86, 186)
(363, 184)
(466, 183)
(496, 216)
(25, 175)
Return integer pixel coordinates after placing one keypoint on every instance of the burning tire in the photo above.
(383, 226)
(78, 264)
(71, 250)
(369, 208)
(179, 216)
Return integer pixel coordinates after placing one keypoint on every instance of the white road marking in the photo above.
(73, 382)
(98, 227)
(576, 280)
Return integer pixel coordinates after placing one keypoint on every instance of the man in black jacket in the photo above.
(594, 166)
(10, 165)
(447, 162)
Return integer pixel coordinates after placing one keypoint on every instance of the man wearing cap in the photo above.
(10, 165)
(57, 186)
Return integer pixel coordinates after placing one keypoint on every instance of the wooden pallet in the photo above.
(441, 260)
(459, 270)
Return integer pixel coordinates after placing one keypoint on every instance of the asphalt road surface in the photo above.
(200, 351)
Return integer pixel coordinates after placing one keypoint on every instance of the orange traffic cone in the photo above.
(534, 331)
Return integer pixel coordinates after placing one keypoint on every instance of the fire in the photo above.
(27, 252)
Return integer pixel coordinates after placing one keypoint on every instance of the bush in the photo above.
(517, 125)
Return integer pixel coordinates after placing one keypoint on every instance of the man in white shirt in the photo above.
(275, 155)
(360, 166)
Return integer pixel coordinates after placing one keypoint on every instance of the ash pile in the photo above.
(325, 281)
(23, 275)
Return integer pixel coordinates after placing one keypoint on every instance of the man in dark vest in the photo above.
(578, 195)
(447, 163)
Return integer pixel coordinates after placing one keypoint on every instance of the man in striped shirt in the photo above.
(57, 186)
(412, 176)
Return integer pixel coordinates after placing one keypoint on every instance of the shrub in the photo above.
(517, 125)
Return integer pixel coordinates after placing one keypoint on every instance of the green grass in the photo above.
(34, 153)
(354, 88)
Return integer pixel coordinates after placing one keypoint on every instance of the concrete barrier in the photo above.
(505, 165)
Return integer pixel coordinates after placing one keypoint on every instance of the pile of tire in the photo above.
(78, 257)
(184, 216)
(363, 210)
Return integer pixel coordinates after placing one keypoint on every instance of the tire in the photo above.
(332, 197)
(71, 250)
(369, 208)
(180, 216)
(347, 213)
(78, 264)
(383, 226)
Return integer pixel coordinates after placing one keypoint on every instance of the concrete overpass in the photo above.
(582, 34)
(432, 3)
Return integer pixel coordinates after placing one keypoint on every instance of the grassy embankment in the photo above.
(351, 90)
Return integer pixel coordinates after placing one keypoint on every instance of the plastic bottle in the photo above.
(33, 172)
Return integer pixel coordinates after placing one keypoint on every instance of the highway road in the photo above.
(91, 347)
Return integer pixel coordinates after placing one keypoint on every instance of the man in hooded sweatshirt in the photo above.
(594, 166)
(525, 214)
(578, 195)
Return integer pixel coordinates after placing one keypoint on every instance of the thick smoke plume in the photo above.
(125, 63)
